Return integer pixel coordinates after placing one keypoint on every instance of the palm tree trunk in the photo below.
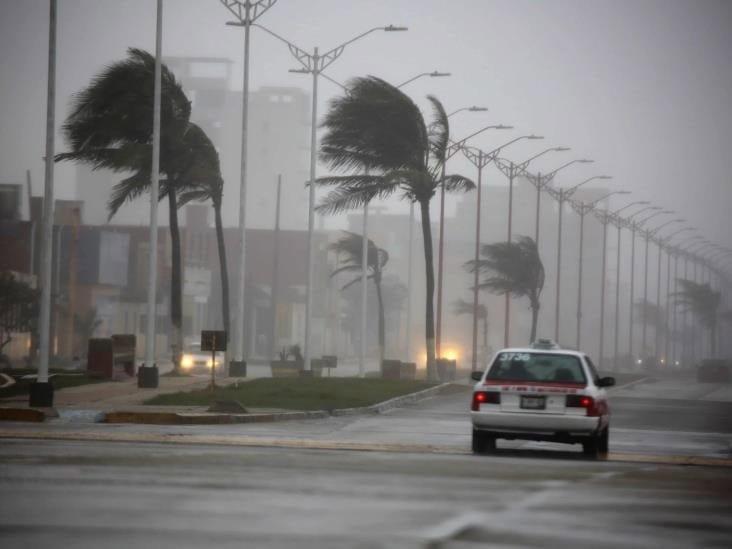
(176, 290)
(222, 267)
(429, 317)
(382, 334)
(534, 320)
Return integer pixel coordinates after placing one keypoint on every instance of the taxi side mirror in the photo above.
(606, 382)
(476, 375)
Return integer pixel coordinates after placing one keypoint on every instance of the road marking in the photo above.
(315, 444)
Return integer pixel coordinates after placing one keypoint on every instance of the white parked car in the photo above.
(541, 393)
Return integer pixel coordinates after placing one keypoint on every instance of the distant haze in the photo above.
(643, 88)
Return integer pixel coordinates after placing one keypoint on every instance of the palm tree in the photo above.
(378, 135)
(513, 268)
(652, 314)
(349, 249)
(201, 182)
(461, 307)
(110, 127)
(703, 302)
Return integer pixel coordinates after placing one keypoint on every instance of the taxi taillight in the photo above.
(484, 397)
(583, 401)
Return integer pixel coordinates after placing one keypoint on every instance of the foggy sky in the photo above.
(641, 87)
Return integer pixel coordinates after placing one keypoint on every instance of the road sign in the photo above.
(213, 340)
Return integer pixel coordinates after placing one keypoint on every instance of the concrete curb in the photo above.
(175, 418)
(32, 415)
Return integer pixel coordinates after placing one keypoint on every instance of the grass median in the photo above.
(297, 393)
(61, 379)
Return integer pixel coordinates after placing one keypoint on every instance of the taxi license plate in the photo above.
(533, 402)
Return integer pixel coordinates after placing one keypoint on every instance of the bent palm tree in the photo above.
(378, 134)
(349, 248)
(513, 268)
(651, 314)
(703, 302)
(110, 127)
(202, 181)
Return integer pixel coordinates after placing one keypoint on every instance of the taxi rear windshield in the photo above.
(541, 367)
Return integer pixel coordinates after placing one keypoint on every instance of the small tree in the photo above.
(350, 250)
(18, 307)
(513, 268)
(702, 302)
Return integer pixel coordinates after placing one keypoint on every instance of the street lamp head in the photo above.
(604, 177)
(585, 161)
(532, 136)
(502, 127)
(393, 28)
(477, 109)
(561, 149)
(437, 74)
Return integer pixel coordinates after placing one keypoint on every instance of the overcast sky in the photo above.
(641, 87)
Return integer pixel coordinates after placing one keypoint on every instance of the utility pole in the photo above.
(275, 271)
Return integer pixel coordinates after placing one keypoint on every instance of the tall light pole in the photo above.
(620, 224)
(583, 209)
(669, 329)
(562, 195)
(647, 235)
(659, 243)
(246, 13)
(605, 218)
(480, 160)
(511, 170)
(451, 150)
(148, 376)
(633, 229)
(41, 391)
(314, 64)
(686, 252)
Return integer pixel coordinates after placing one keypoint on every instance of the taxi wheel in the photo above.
(604, 441)
(591, 446)
(483, 443)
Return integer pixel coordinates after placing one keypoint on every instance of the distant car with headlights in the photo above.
(196, 361)
(541, 393)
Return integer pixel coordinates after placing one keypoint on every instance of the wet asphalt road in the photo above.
(420, 488)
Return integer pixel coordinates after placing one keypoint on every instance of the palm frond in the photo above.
(458, 183)
(374, 127)
(346, 198)
(439, 130)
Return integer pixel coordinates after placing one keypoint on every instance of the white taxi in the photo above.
(541, 393)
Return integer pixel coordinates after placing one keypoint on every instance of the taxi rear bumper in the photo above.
(533, 426)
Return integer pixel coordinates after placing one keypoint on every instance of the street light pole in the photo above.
(149, 376)
(511, 170)
(314, 64)
(669, 252)
(246, 12)
(561, 196)
(41, 391)
(619, 223)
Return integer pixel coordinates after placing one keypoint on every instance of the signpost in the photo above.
(213, 340)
